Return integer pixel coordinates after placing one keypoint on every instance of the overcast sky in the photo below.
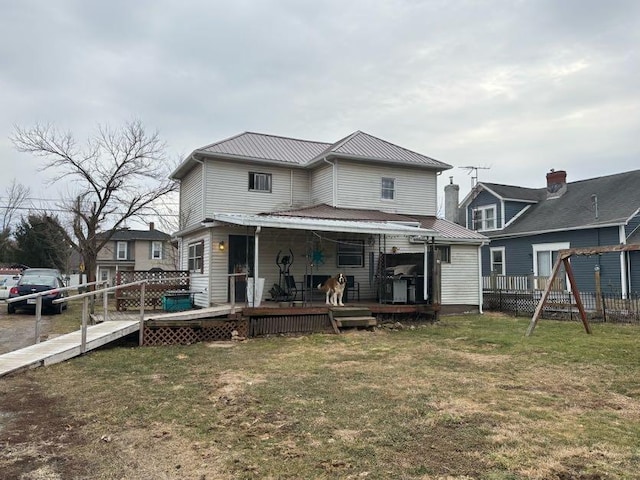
(519, 87)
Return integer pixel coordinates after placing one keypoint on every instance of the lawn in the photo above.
(467, 397)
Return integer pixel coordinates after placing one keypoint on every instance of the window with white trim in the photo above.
(122, 250)
(544, 257)
(388, 188)
(484, 218)
(444, 253)
(195, 263)
(259, 182)
(498, 261)
(156, 250)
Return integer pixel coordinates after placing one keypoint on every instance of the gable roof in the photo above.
(618, 199)
(263, 148)
(128, 235)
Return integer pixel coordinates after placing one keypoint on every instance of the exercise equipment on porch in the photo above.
(286, 290)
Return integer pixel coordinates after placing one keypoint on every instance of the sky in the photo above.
(516, 87)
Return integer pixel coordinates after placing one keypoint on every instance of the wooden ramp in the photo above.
(207, 312)
(64, 347)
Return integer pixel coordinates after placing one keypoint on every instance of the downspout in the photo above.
(623, 264)
(334, 183)
(425, 286)
(480, 290)
(256, 256)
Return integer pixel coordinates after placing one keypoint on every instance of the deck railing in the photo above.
(521, 283)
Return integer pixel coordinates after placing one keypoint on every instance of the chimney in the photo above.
(451, 201)
(152, 226)
(556, 183)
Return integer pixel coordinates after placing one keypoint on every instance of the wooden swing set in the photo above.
(563, 259)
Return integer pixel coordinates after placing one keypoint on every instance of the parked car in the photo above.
(6, 282)
(38, 280)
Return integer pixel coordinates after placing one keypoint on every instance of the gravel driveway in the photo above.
(18, 330)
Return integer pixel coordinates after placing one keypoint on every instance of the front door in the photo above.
(241, 258)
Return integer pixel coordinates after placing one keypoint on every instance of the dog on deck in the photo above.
(334, 287)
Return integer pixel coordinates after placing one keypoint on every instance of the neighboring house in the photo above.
(136, 250)
(527, 226)
(250, 199)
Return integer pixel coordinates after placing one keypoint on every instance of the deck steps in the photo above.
(351, 317)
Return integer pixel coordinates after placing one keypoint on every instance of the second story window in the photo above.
(259, 182)
(388, 188)
(121, 251)
(156, 250)
(484, 218)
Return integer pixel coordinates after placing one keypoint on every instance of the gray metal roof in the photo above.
(442, 230)
(259, 147)
(365, 146)
(618, 198)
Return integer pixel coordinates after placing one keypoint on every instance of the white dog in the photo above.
(334, 287)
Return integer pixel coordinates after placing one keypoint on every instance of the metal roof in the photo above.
(267, 147)
(326, 218)
(259, 147)
(324, 225)
(365, 146)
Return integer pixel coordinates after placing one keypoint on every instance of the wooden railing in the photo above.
(521, 283)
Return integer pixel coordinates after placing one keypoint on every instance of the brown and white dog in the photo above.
(334, 287)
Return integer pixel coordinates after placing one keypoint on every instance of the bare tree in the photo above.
(15, 198)
(118, 174)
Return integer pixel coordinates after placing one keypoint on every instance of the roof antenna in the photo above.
(473, 171)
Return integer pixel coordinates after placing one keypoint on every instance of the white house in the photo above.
(276, 206)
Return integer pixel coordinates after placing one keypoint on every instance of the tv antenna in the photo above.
(473, 171)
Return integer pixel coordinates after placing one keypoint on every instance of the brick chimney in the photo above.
(152, 226)
(556, 183)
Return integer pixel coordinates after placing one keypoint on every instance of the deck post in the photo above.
(83, 333)
(141, 333)
(38, 317)
(105, 305)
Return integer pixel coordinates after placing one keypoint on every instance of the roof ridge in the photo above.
(284, 137)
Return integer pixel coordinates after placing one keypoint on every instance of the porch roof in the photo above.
(322, 224)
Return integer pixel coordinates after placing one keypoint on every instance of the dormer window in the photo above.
(259, 182)
(484, 218)
(388, 188)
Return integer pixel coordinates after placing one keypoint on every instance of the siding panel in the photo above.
(191, 208)
(460, 282)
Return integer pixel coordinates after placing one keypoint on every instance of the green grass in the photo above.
(468, 397)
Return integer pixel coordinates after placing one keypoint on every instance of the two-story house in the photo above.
(250, 200)
(129, 249)
(527, 227)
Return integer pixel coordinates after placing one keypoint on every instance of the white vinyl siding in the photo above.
(359, 187)
(199, 282)
(227, 188)
(460, 280)
(191, 208)
(322, 185)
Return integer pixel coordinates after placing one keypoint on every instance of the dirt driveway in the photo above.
(18, 330)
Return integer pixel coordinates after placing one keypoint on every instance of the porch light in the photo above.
(221, 246)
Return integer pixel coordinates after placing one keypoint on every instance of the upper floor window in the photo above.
(350, 253)
(121, 250)
(388, 188)
(484, 218)
(156, 250)
(195, 257)
(259, 182)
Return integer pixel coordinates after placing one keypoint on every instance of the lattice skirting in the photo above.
(210, 331)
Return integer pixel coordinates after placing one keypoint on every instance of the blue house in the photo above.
(527, 227)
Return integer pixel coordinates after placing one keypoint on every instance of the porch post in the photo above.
(425, 282)
(256, 256)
